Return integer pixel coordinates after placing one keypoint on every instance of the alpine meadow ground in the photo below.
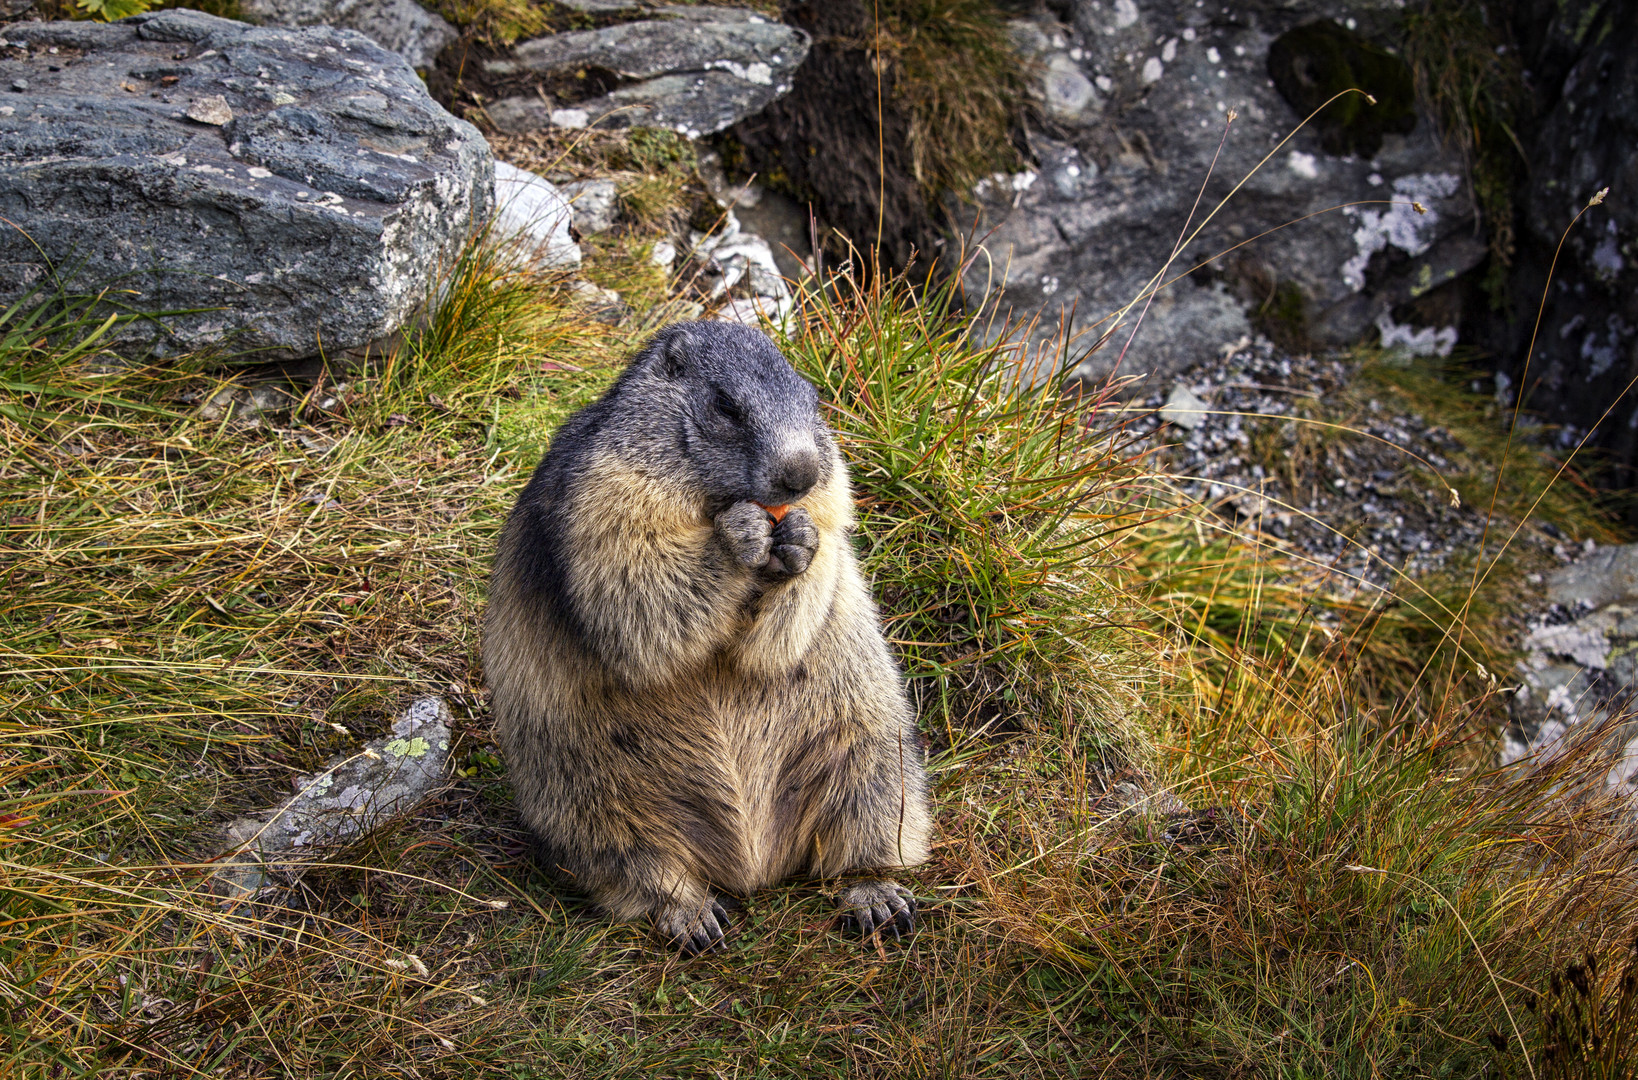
(1187, 826)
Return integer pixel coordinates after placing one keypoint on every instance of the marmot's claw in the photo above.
(696, 933)
(871, 907)
(748, 531)
(794, 541)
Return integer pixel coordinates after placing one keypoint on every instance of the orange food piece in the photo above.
(778, 512)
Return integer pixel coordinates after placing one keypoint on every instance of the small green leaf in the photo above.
(113, 10)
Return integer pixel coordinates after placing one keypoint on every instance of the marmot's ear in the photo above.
(673, 359)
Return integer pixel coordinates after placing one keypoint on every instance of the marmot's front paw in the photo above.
(872, 906)
(693, 929)
(747, 530)
(795, 539)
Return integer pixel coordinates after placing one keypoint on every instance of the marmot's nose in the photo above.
(798, 473)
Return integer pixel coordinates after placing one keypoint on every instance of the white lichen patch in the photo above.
(1016, 183)
(1606, 257)
(1427, 341)
(1400, 224)
(755, 72)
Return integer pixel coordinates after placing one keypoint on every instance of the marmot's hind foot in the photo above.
(871, 907)
(693, 929)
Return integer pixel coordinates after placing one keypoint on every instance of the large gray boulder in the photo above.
(1134, 95)
(692, 70)
(287, 191)
(405, 27)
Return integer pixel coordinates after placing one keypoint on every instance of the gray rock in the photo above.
(731, 255)
(313, 219)
(739, 267)
(642, 50)
(403, 26)
(596, 204)
(1118, 175)
(532, 212)
(776, 217)
(1608, 575)
(389, 777)
(702, 70)
(1579, 678)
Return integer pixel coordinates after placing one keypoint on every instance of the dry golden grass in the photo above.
(193, 607)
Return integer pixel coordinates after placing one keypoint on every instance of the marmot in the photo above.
(689, 693)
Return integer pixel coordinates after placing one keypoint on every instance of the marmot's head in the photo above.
(729, 412)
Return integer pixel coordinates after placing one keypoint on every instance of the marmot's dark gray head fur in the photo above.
(719, 403)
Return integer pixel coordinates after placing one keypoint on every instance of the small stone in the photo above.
(19, 85)
(595, 204)
(664, 254)
(212, 110)
(1184, 408)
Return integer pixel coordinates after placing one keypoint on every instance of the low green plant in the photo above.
(504, 22)
(111, 10)
(656, 150)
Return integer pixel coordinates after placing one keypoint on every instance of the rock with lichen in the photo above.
(1134, 97)
(693, 70)
(290, 192)
(386, 778)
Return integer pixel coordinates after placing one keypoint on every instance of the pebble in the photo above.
(211, 110)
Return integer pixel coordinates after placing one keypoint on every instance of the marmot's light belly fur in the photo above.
(688, 694)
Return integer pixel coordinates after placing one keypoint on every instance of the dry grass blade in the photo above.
(1179, 832)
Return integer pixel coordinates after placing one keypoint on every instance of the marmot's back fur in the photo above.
(689, 694)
